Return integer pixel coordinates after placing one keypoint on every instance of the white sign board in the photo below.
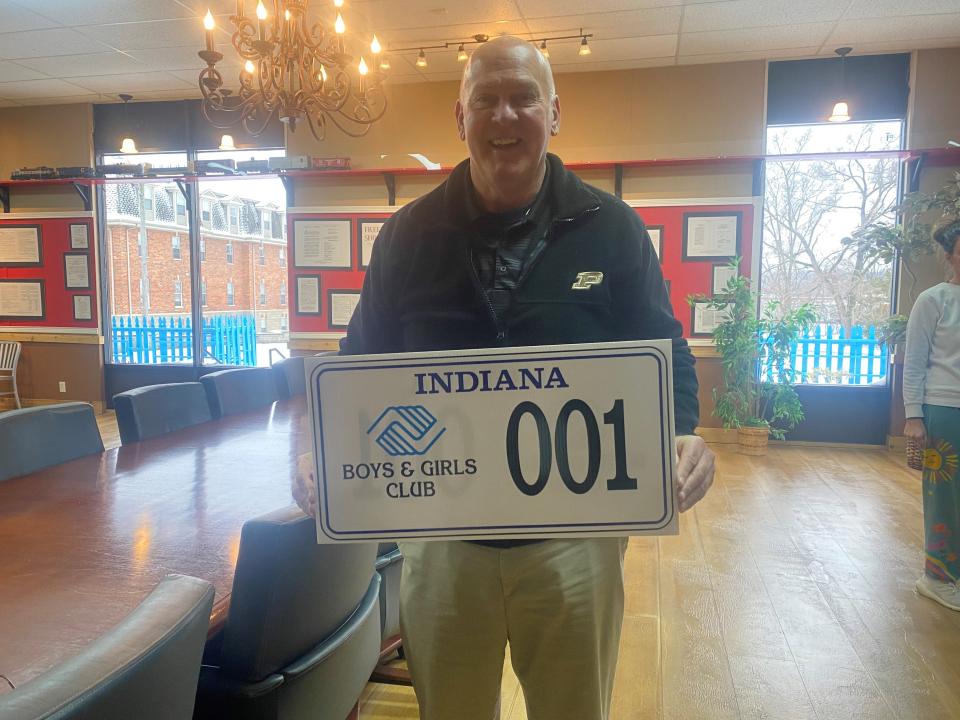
(552, 441)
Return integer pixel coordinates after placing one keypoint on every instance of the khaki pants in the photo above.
(558, 603)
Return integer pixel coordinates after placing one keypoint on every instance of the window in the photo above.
(203, 250)
(263, 322)
(283, 322)
(230, 252)
(181, 206)
(148, 212)
(263, 292)
(267, 223)
(234, 219)
(176, 247)
(283, 294)
(205, 213)
(262, 255)
(203, 293)
(283, 257)
(230, 292)
(178, 293)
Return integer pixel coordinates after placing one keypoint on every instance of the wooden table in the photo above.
(83, 543)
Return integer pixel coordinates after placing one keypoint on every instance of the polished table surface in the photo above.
(83, 543)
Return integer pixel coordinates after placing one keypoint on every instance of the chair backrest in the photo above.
(9, 354)
(153, 410)
(37, 437)
(239, 390)
(146, 667)
(289, 593)
(290, 375)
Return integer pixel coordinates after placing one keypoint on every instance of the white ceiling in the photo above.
(63, 51)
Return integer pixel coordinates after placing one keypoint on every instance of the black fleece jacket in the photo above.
(421, 290)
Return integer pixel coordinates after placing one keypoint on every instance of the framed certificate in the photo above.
(22, 300)
(307, 300)
(711, 235)
(76, 271)
(656, 237)
(82, 307)
(704, 320)
(322, 244)
(79, 237)
(340, 307)
(20, 246)
(367, 231)
(722, 274)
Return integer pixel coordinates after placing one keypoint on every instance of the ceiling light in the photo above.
(226, 143)
(544, 51)
(421, 59)
(289, 75)
(584, 48)
(461, 54)
(127, 145)
(841, 111)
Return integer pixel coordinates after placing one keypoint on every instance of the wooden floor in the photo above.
(788, 595)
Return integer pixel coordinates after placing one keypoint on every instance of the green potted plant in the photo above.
(747, 344)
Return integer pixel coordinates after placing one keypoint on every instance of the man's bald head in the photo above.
(508, 51)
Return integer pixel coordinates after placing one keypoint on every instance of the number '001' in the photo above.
(621, 479)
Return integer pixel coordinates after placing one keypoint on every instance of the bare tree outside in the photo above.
(812, 205)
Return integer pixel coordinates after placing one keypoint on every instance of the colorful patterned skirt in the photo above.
(941, 492)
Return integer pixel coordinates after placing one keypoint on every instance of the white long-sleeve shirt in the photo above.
(931, 368)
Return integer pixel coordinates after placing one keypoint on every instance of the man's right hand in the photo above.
(914, 430)
(303, 488)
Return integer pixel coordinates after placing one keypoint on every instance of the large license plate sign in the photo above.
(551, 441)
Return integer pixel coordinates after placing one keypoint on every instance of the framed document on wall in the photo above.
(367, 231)
(76, 271)
(722, 274)
(22, 300)
(340, 307)
(656, 237)
(20, 246)
(82, 307)
(307, 301)
(79, 237)
(711, 235)
(322, 244)
(704, 320)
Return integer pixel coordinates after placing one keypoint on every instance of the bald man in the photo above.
(490, 259)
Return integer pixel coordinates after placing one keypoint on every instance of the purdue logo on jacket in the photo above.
(586, 280)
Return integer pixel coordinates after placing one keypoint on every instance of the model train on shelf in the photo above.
(223, 166)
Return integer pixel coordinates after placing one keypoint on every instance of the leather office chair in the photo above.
(390, 566)
(239, 390)
(34, 438)
(153, 410)
(9, 357)
(146, 667)
(303, 633)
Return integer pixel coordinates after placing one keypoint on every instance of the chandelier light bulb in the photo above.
(208, 22)
(362, 67)
(375, 47)
(421, 59)
(323, 74)
(338, 3)
(286, 15)
(249, 67)
(261, 10)
(339, 25)
(543, 50)
(584, 48)
(461, 54)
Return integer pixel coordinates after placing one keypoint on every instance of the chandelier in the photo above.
(293, 69)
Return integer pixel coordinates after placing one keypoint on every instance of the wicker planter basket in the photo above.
(914, 454)
(753, 440)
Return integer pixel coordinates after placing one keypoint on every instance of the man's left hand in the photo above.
(695, 467)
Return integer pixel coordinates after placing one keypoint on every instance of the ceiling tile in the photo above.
(38, 88)
(774, 38)
(895, 46)
(73, 13)
(187, 94)
(65, 100)
(132, 83)
(67, 66)
(449, 33)
(919, 27)
(172, 58)
(10, 71)
(411, 14)
(44, 43)
(17, 17)
(653, 21)
(230, 73)
(547, 8)
(899, 8)
(580, 66)
(186, 32)
(738, 14)
(802, 52)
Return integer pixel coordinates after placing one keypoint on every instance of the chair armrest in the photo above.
(213, 681)
(388, 559)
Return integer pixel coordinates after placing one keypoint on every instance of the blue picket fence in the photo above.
(827, 354)
(230, 339)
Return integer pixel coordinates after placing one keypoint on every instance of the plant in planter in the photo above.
(758, 408)
(892, 332)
